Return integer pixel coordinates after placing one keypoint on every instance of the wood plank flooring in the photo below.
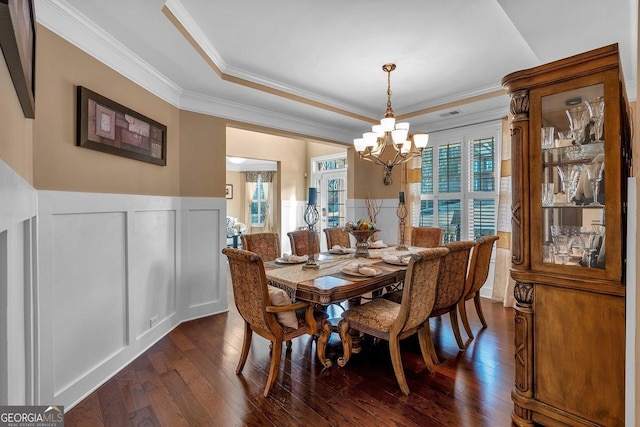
(188, 379)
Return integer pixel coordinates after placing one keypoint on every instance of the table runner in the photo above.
(287, 278)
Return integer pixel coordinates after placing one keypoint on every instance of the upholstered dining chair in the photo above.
(299, 240)
(449, 289)
(476, 278)
(253, 298)
(267, 245)
(337, 236)
(393, 322)
(426, 237)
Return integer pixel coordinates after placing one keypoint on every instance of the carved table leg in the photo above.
(345, 336)
(325, 332)
(322, 329)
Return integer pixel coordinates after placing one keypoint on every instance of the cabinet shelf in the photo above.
(568, 259)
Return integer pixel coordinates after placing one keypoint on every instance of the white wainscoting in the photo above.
(18, 210)
(116, 273)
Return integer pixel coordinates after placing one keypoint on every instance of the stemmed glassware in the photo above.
(577, 121)
(595, 170)
(569, 175)
(563, 239)
(590, 240)
(596, 112)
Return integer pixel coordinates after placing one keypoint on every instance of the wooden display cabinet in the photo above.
(569, 239)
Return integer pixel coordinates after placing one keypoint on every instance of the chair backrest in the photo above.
(479, 264)
(249, 286)
(419, 291)
(337, 236)
(452, 275)
(300, 242)
(267, 245)
(426, 237)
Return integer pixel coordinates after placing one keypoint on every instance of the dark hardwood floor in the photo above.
(188, 379)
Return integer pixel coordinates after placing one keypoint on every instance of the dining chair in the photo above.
(255, 302)
(267, 245)
(450, 286)
(476, 278)
(337, 236)
(393, 321)
(426, 237)
(299, 240)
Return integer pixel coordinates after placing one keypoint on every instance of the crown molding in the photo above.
(61, 18)
(187, 26)
(484, 117)
(230, 110)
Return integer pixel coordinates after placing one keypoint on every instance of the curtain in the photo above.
(253, 179)
(503, 283)
(250, 188)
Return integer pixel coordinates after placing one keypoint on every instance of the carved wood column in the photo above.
(523, 293)
(520, 180)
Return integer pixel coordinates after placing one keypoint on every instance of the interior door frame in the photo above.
(319, 179)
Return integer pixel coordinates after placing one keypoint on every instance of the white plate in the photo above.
(341, 252)
(397, 261)
(350, 272)
(384, 245)
(287, 261)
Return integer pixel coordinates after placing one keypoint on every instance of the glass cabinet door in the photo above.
(572, 190)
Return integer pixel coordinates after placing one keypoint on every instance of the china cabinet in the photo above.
(570, 139)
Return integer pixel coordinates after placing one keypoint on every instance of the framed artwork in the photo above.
(105, 125)
(18, 43)
(229, 191)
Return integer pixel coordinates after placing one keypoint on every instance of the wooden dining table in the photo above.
(330, 284)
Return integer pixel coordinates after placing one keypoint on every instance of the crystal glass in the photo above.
(590, 241)
(577, 121)
(564, 240)
(596, 112)
(569, 175)
(547, 137)
(547, 194)
(595, 170)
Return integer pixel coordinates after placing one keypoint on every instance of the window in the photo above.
(458, 184)
(258, 204)
(336, 202)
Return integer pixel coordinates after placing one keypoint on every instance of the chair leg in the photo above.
(396, 360)
(463, 316)
(246, 344)
(276, 353)
(345, 337)
(476, 301)
(288, 343)
(456, 328)
(429, 342)
(424, 349)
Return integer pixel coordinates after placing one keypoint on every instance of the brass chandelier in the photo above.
(372, 144)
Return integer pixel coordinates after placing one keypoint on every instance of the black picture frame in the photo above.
(229, 191)
(18, 43)
(107, 126)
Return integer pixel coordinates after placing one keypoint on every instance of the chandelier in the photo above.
(372, 144)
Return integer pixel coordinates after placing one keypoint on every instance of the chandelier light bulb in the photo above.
(372, 144)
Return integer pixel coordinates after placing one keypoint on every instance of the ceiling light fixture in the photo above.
(372, 144)
(236, 160)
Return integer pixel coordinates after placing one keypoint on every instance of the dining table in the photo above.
(337, 280)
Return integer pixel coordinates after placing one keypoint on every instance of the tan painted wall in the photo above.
(58, 164)
(320, 149)
(236, 206)
(290, 152)
(202, 155)
(365, 178)
(16, 132)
